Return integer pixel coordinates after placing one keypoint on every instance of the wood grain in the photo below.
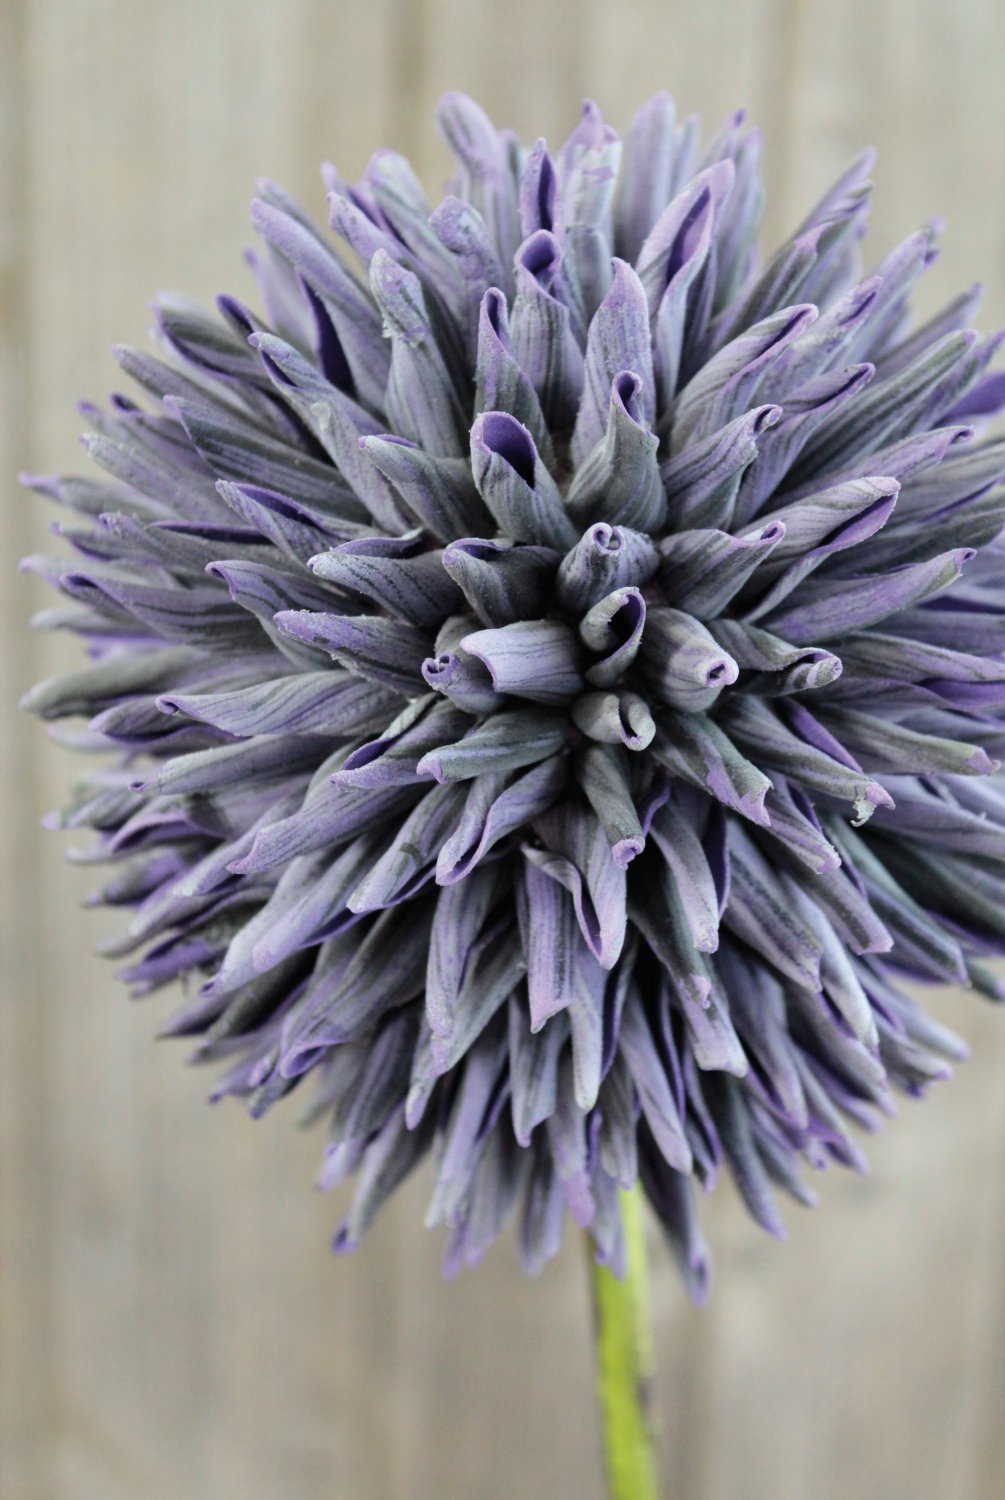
(172, 1322)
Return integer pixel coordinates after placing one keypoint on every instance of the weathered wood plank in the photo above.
(25, 1224)
(179, 1366)
(860, 1358)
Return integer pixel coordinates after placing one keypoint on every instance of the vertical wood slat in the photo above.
(178, 1368)
(202, 1340)
(866, 1347)
(25, 1369)
(507, 1408)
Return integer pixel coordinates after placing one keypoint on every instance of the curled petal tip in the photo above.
(625, 850)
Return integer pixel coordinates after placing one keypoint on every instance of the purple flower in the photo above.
(556, 671)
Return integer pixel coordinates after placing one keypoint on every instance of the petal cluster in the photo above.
(555, 664)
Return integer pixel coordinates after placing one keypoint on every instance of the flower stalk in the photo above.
(625, 1362)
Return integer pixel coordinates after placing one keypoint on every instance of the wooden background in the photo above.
(174, 1327)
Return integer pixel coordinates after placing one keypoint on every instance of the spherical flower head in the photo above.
(555, 664)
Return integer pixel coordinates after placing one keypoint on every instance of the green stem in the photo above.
(625, 1362)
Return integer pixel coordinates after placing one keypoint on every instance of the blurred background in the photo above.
(173, 1323)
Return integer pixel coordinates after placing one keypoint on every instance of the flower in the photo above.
(555, 674)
